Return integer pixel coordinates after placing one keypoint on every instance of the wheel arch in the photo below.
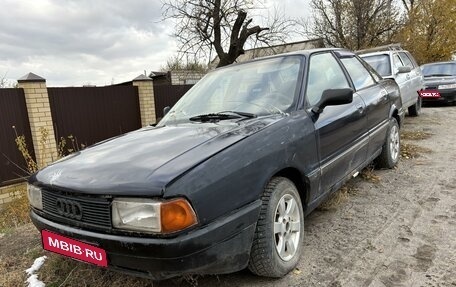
(301, 182)
(394, 113)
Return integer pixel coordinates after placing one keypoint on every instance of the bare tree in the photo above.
(354, 24)
(5, 83)
(409, 5)
(177, 62)
(223, 26)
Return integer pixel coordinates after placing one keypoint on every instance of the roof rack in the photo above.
(390, 47)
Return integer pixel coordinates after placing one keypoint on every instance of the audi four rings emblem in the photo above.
(69, 208)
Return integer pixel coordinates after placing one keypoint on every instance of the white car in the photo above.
(392, 61)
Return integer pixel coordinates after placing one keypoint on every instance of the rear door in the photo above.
(375, 97)
(341, 130)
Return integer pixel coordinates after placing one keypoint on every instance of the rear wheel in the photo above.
(416, 108)
(277, 243)
(391, 148)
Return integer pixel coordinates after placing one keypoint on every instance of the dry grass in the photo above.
(415, 135)
(61, 271)
(15, 213)
(409, 150)
(337, 198)
(18, 249)
(368, 174)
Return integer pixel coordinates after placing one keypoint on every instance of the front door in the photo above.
(341, 130)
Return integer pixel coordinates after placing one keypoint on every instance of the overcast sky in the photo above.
(73, 43)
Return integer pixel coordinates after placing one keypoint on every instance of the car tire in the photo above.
(415, 110)
(279, 233)
(391, 149)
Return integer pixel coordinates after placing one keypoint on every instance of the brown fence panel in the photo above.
(167, 95)
(13, 113)
(92, 114)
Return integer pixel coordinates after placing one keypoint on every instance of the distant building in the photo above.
(177, 77)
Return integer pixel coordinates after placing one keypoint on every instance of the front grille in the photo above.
(95, 211)
(431, 87)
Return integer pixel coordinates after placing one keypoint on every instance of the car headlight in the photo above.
(449, 86)
(147, 215)
(34, 196)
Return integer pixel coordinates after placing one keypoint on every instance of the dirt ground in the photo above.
(387, 228)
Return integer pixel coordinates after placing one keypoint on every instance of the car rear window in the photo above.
(381, 63)
(444, 69)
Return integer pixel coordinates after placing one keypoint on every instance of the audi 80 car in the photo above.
(440, 81)
(224, 180)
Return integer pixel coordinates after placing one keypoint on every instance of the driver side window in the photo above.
(324, 73)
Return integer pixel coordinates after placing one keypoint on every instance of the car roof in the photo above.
(375, 53)
(300, 52)
(384, 48)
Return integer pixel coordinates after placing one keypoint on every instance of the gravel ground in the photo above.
(390, 228)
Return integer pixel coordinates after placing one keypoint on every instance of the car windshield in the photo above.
(258, 88)
(381, 63)
(444, 69)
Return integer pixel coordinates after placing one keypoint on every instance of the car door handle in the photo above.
(359, 107)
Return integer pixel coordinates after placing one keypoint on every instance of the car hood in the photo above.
(143, 162)
(439, 80)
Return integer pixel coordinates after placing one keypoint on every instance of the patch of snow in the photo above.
(33, 278)
(33, 281)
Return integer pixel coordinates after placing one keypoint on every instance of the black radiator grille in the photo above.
(95, 211)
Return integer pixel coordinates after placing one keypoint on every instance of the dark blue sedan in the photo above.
(223, 182)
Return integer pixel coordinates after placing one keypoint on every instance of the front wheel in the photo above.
(279, 234)
(391, 148)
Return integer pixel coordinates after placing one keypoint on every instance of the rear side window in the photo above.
(381, 63)
(406, 60)
(324, 73)
(360, 76)
(397, 61)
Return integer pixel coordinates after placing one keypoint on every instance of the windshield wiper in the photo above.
(225, 115)
(242, 114)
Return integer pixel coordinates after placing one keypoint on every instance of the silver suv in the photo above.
(392, 61)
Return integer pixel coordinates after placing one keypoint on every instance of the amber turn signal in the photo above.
(176, 215)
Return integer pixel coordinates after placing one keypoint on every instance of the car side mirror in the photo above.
(333, 97)
(404, 69)
(166, 110)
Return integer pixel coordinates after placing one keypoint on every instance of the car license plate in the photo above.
(429, 94)
(73, 248)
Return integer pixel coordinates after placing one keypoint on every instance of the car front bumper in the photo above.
(220, 247)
